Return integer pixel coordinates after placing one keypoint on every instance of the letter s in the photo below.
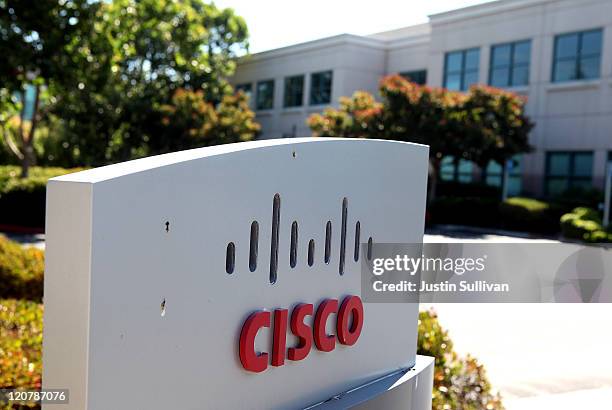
(302, 331)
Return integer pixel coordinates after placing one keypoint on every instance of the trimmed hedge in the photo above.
(21, 332)
(467, 190)
(21, 271)
(482, 212)
(584, 224)
(531, 215)
(459, 383)
(22, 201)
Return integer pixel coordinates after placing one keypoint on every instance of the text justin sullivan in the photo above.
(463, 286)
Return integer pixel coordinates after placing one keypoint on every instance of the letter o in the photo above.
(346, 336)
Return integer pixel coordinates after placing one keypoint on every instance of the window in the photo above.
(456, 171)
(418, 76)
(461, 69)
(577, 56)
(565, 170)
(246, 88)
(320, 88)
(294, 91)
(494, 175)
(265, 95)
(510, 64)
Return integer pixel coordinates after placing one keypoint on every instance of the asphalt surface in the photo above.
(539, 356)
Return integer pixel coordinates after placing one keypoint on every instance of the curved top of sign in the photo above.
(138, 165)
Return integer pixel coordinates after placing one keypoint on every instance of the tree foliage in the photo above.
(116, 67)
(37, 43)
(482, 125)
(190, 121)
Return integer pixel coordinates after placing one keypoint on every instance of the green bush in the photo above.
(481, 212)
(22, 201)
(530, 215)
(584, 224)
(21, 271)
(459, 383)
(467, 190)
(579, 197)
(21, 332)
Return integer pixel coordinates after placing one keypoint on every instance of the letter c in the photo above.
(251, 360)
(323, 341)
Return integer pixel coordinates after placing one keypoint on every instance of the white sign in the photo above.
(154, 268)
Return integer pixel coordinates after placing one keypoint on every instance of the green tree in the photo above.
(190, 121)
(482, 125)
(497, 121)
(144, 52)
(38, 41)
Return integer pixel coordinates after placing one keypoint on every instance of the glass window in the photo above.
(577, 56)
(461, 69)
(294, 91)
(494, 175)
(246, 88)
(565, 170)
(510, 64)
(417, 76)
(320, 88)
(458, 171)
(265, 95)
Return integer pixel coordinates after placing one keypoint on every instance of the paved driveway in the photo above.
(540, 356)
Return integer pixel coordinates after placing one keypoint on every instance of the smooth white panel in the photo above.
(188, 359)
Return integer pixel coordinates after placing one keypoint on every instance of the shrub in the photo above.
(467, 190)
(584, 224)
(531, 215)
(22, 200)
(481, 212)
(579, 197)
(21, 271)
(459, 383)
(21, 331)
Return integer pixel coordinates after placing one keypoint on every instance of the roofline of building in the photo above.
(484, 9)
(477, 10)
(340, 39)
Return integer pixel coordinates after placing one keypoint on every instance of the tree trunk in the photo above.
(27, 142)
(434, 173)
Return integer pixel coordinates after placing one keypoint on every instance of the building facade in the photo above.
(558, 53)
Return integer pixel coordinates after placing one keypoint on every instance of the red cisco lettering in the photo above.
(349, 323)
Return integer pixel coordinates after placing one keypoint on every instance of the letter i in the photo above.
(280, 337)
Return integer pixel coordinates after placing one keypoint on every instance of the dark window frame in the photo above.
(409, 75)
(578, 57)
(313, 91)
(570, 177)
(244, 87)
(258, 106)
(463, 71)
(299, 102)
(511, 66)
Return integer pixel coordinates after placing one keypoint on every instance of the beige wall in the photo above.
(355, 66)
(569, 116)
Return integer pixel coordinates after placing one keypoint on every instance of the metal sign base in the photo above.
(406, 389)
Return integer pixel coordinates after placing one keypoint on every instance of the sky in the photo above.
(278, 23)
